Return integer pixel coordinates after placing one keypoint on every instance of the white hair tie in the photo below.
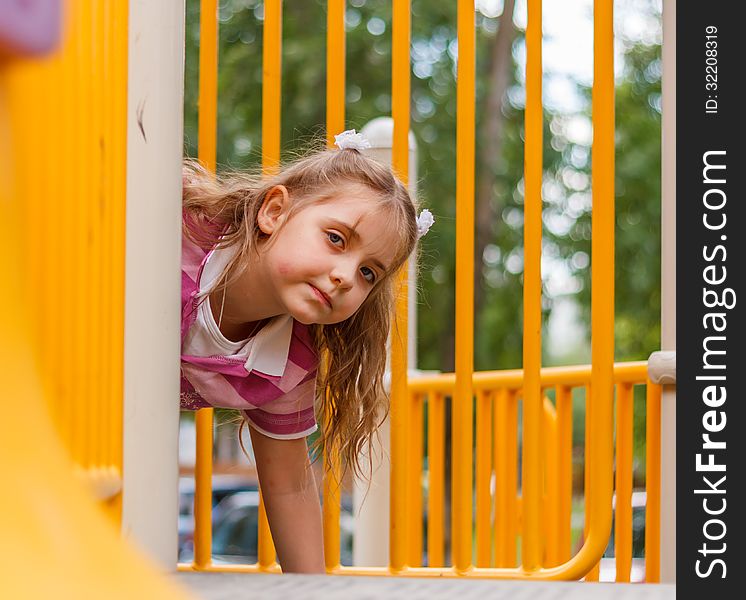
(424, 222)
(350, 139)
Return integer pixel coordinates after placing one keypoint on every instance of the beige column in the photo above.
(371, 504)
(153, 279)
(668, 295)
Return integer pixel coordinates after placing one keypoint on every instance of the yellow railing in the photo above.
(68, 129)
(539, 516)
(500, 526)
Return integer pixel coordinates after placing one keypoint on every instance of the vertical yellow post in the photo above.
(208, 83)
(400, 418)
(551, 512)
(506, 477)
(335, 123)
(436, 474)
(207, 132)
(623, 509)
(203, 489)
(271, 107)
(531, 548)
(653, 484)
(483, 475)
(415, 481)
(564, 451)
(462, 494)
(335, 69)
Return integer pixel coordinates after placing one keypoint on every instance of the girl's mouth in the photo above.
(322, 297)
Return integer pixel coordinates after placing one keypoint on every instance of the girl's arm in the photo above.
(292, 502)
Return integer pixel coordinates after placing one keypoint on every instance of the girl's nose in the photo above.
(342, 275)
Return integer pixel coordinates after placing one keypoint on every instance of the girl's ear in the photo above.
(274, 209)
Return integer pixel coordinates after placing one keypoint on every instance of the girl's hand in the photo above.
(292, 502)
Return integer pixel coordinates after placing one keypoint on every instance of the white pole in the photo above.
(668, 295)
(371, 504)
(153, 282)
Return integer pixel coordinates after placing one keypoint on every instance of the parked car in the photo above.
(223, 486)
(235, 527)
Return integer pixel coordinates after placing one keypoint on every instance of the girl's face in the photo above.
(324, 260)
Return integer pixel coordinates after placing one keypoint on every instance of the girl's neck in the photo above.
(241, 307)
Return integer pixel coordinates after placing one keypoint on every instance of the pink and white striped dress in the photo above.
(270, 377)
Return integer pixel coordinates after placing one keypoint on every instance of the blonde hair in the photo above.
(351, 401)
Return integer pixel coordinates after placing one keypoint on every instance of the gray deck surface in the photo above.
(230, 586)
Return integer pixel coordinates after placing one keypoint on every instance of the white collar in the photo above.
(268, 350)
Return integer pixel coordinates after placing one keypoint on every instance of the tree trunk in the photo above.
(487, 210)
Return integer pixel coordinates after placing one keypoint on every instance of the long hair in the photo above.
(351, 401)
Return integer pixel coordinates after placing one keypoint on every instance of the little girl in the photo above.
(276, 273)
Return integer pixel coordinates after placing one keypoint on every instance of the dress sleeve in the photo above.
(290, 416)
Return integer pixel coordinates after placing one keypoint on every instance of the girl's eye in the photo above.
(335, 238)
(369, 274)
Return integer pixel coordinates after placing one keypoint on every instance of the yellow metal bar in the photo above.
(531, 547)
(335, 69)
(483, 475)
(265, 546)
(207, 144)
(461, 520)
(623, 509)
(653, 483)
(414, 478)
(400, 418)
(271, 85)
(271, 106)
(564, 452)
(631, 372)
(203, 489)
(208, 82)
(335, 123)
(331, 512)
(506, 477)
(436, 475)
(551, 512)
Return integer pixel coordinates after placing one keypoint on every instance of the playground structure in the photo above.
(92, 165)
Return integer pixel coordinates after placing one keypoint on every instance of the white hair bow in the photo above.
(424, 222)
(350, 139)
